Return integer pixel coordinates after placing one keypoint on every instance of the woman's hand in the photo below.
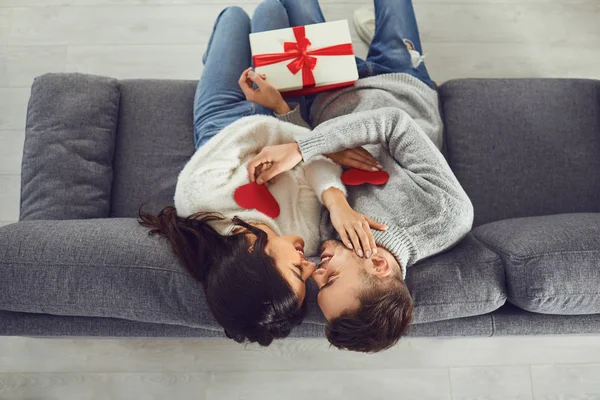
(279, 158)
(355, 158)
(266, 95)
(354, 228)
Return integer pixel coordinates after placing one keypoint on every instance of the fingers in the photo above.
(372, 243)
(246, 85)
(344, 237)
(355, 240)
(258, 79)
(368, 156)
(363, 232)
(367, 159)
(352, 163)
(253, 165)
(268, 175)
(376, 225)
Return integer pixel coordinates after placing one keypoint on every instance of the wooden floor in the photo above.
(418, 369)
(165, 39)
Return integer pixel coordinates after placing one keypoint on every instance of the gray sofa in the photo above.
(77, 264)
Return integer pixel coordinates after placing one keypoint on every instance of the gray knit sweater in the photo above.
(396, 118)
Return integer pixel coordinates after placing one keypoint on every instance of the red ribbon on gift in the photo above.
(302, 59)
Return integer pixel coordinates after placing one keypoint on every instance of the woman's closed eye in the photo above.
(300, 272)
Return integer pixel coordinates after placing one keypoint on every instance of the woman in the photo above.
(253, 269)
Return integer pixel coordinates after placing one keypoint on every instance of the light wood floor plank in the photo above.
(11, 151)
(13, 108)
(424, 384)
(104, 25)
(19, 65)
(553, 382)
(491, 383)
(193, 355)
(447, 61)
(10, 187)
(145, 61)
(5, 15)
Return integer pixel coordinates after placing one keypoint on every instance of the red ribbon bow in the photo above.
(302, 59)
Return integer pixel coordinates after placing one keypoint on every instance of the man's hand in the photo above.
(281, 158)
(354, 228)
(266, 95)
(356, 158)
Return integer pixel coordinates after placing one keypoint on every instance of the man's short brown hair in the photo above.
(384, 314)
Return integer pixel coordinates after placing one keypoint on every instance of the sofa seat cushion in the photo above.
(67, 170)
(97, 268)
(464, 281)
(552, 263)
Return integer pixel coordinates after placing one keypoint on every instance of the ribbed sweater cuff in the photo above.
(396, 241)
(311, 146)
(294, 116)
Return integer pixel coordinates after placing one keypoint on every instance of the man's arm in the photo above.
(418, 156)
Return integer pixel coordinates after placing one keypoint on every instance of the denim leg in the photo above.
(395, 22)
(303, 12)
(268, 16)
(271, 15)
(219, 101)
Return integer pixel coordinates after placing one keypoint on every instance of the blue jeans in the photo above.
(395, 21)
(219, 101)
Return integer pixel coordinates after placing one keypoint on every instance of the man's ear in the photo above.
(381, 267)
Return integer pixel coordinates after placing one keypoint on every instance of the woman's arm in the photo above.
(207, 177)
(267, 96)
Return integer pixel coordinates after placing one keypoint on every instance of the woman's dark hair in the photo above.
(244, 289)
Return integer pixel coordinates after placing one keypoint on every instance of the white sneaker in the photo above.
(364, 23)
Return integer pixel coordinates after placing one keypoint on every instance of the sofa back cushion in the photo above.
(67, 160)
(155, 139)
(524, 147)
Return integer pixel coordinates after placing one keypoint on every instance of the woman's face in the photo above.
(288, 252)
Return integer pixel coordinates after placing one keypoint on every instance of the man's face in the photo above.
(339, 278)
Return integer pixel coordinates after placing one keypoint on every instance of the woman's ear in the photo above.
(381, 267)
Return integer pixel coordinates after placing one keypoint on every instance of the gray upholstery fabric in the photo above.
(464, 281)
(552, 263)
(69, 142)
(24, 324)
(524, 147)
(510, 320)
(97, 268)
(154, 141)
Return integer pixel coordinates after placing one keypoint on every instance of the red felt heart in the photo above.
(255, 196)
(355, 177)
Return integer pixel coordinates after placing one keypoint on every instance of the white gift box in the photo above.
(306, 59)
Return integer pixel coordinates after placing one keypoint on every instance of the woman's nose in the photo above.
(319, 277)
(309, 268)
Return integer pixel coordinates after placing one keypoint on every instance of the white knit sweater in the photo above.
(209, 180)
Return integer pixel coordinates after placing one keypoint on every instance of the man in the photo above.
(392, 111)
